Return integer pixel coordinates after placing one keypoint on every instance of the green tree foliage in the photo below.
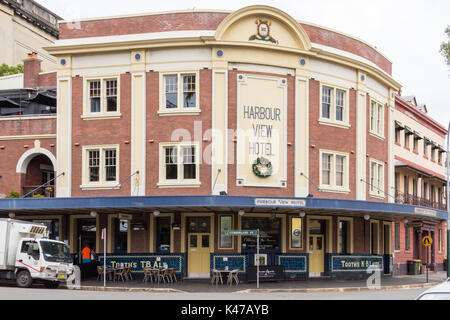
(445, 47)
(6, 70)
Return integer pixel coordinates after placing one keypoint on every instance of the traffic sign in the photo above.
(253, 233)
(427, 241)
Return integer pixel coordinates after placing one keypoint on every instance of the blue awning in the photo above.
(214, 203)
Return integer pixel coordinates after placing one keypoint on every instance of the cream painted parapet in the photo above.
(301, 134)
(361, 135)
(219, 152)
(64, 127)
(138, 120)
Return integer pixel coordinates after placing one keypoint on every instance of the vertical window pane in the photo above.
(225, 225)
(326, 169)
(189, 91)
(372, 176)
(189, 166)
(340, 98)
(296, 233)
(340, 171)
(111, 95)
(379, 118)
(94, 166)
(326, 102)
(407, 246)
(344, 237)
(94, 95)
(380, 178)
(372, 116)
(171, 84)
(110, 165)
(163, 235)
(171, 164)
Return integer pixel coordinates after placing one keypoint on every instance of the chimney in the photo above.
(32, 68)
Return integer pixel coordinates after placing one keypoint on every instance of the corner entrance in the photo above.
(198, 246)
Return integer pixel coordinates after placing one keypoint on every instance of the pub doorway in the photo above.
(316, 247)
(198, 246)
(86, 235)
(269, 240)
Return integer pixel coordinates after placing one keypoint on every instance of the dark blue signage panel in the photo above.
(350, 263)
(139, 262)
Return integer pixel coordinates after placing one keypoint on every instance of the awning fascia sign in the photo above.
(62, 205)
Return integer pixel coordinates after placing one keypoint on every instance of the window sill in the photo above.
(179, 112)
(86, 187)
(332, 123)
(375, 195)
(333, 190)
(376, 135)
(102, 116)
(163, 185)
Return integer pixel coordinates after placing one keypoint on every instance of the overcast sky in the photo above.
(408, 32)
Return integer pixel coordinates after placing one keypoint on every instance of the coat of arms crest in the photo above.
(263, 31)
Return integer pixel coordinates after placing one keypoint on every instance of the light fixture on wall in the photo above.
(156, 213)
(12, 215)
(302, 214)
(93, 214)
(367, 217)
(405, 221)
(241, 212)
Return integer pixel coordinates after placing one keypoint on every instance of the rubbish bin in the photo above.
(414, 267)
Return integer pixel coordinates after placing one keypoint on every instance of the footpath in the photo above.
(310, 285)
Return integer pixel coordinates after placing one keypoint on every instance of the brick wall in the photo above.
(101, 132)
(160, 129)
(325, 137)
(10, 153)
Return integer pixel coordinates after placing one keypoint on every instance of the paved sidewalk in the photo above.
(311, 285)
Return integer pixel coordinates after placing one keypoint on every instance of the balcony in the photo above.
(403, 198)
(46, 192)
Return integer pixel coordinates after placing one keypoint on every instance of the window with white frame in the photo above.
(180, 164)
(180, 92)
(102, 96)
(377, 118)
(334, 105)
(100, 166)
(377, 178)
(334, 170)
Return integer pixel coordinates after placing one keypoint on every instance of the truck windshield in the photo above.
(55, 252)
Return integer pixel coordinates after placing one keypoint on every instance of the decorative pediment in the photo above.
(263, 25)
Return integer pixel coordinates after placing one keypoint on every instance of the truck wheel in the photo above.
(51, 284)
(24, 279)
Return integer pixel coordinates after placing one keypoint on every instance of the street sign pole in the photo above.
(104, 256)
(257, 260)
(427, 262)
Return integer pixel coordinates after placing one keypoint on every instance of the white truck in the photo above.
(26, 255)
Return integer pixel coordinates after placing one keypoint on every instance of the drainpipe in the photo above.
(448, 200)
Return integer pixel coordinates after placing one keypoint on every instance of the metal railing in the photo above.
(403, 198)
(47, 192)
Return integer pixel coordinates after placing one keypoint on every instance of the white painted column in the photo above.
(301, 136)
(138, 123)
(64, 128)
